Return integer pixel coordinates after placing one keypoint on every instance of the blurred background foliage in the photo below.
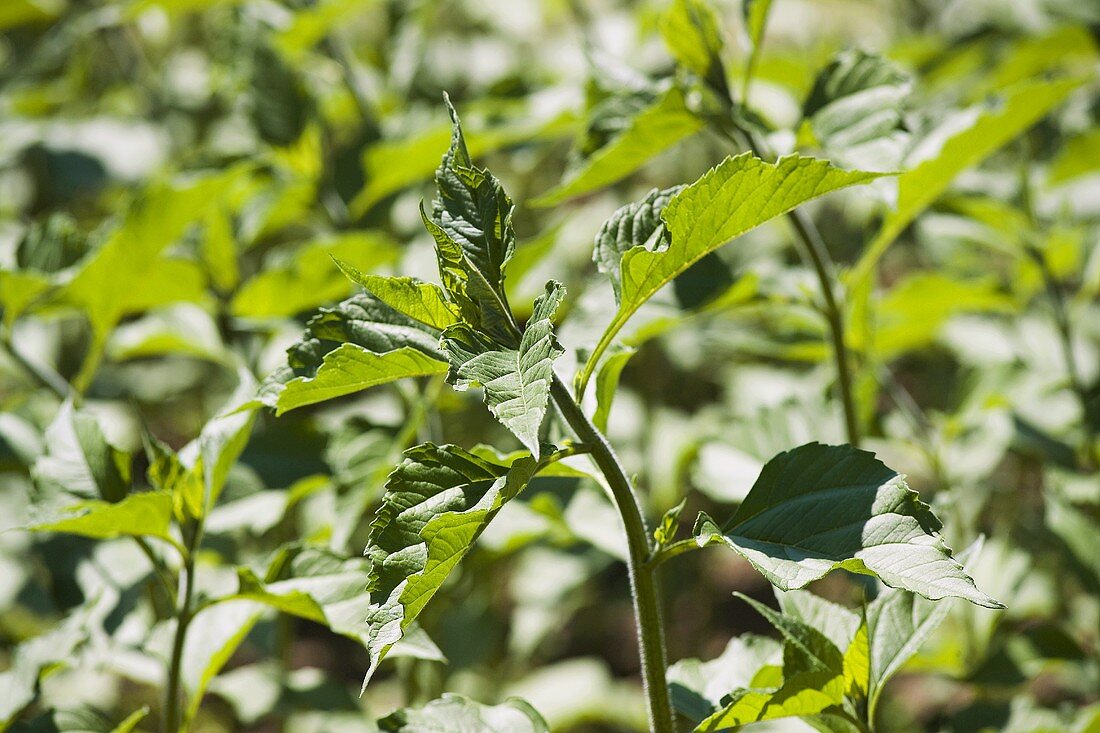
(175, 176)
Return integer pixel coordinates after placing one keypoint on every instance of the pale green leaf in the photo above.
(670, 522)
(516, 381)
(392, 165)
(698, 687)
(655, 129)
(309, 278)
(812, 678)
(438, 501)
(818, 508)
(897, 623)
(421, 301)
(837, 623)
(212, 637)
(994, 126)
(607, 383)
(456, 714)
(692, 33)
(148, 514)
(1079, 156)
(857, 664)
(79, 460)
(739, 194)
(855, 110)
(18, 290)
(754, 13)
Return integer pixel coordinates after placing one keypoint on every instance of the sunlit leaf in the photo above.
(691, 31)
(516, 381)
(740, 194)
(658, 127)
(437, 502)
(421, 301)
(146, 514)
(457, 714)
(213, 635)
(818, 508)
(634, 225)
(994, 125)
(79, 460)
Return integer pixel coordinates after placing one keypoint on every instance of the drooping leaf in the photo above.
(457, 714)
(516, 381)
(740, 194)
(437, 502)
(655, 129)
(79, 460)
(993, 126)
(147, 514)
(818, 508)
(692, 33)
(634, 225)
(471, 222)
(855, 110)
(421, 301)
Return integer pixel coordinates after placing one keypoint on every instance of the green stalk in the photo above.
(173, 692)
(813, 250)
(643, 579)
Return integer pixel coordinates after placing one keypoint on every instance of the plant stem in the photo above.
(668, 552)
(643, 580)
(44, 375)
(173, 708)
(813, 249)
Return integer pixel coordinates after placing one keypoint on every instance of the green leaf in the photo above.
(691, 32)
(392, 165)
(698, 687)
(212, 637)
(148, 514)
(351, 368)
(360, 343)
(437, 502)
(812, 678)
(457, 714)
(421, 301)
(80, 720)
(656, 128)
(670, 522)
(897, 624)
(1079, 156)
(855, 110)
(857, 664)
(637, 224)
(18, 290)
(818, 508)
(754, 13)
(607, 383)
(994, 125)
(79, 460)
(837, 623)
(309, 278)
(516, 381)
(471, 222)
(740, 194)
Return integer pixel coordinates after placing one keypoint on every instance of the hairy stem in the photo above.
(643, 580)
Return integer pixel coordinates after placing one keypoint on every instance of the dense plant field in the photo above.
(520, 366)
